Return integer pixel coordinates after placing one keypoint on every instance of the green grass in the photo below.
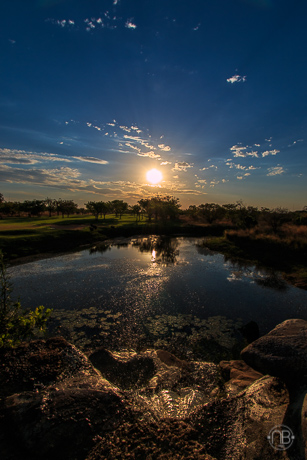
(26, 236)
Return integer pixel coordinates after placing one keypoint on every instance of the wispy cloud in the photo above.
(12, 156)
(275, 171)
(166, 148)
(270, 152)
(182, 166)
(243, 151)
(92, 160)
(236, 79)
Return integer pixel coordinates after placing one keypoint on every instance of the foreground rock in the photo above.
(282, 352)
(58, 402)
(148, 405)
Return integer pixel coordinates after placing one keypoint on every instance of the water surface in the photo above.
(155, 288)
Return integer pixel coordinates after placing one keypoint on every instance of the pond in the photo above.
(157, 291)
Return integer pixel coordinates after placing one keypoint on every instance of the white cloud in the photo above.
(276, 170)
(150, 155)
(240, 151)
(129, 24)
(164, 163)
(270, 152)
(166, 148)
(182, 166)
(236, 79)
(125, 128)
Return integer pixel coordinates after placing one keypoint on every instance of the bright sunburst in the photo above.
(154, 176)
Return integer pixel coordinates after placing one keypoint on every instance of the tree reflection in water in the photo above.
(162, 248)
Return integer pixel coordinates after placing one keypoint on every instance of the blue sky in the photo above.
(210, 93)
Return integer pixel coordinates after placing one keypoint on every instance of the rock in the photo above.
(33, 365)
(237, 427)
(171, 360)
(128, 370)
(61, 423)
(58, 402)
(250, 331)
(282, 352)
(166, 439)
(238, 373)
(55, 404)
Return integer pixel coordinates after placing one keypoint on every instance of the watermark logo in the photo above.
(281, 437)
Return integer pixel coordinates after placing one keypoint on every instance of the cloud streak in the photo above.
(236, 79)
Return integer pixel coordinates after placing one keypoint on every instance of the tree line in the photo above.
(158, 208)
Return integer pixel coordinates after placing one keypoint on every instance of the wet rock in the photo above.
(238, 373)
(171, 360)
(61, 423)
(250, 331)
(128, 370)
(163, 440)
(282, 352)
(237, 427)
(54, 402)
(32, 365)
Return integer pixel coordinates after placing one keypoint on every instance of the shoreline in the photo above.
(19, 251)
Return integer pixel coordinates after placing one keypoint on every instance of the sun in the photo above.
(154, 176)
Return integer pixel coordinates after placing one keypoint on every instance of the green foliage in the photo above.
(17, 324)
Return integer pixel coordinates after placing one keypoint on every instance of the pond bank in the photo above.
(294, 271)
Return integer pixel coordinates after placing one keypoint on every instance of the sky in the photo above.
(211, 93)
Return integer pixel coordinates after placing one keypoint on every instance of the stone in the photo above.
(282, 352)
(238, 373)
(237, 427)
(128, 370)
(55, 404)
(35, 364)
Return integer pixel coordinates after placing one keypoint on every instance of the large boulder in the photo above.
(237, 427)
(282, 352)
(54, 403)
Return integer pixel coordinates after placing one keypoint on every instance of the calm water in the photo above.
(145, 284)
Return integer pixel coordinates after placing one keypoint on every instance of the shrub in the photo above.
(16, 324)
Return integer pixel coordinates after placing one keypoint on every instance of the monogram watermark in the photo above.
(281, 437)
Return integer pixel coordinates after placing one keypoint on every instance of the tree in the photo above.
(119, 207)
(211, 212)
(163, 208)
(98, 207)
(17, 324)
(136, 210)
(33, 207)
(67, 207)
(275, 217)
(50, 205)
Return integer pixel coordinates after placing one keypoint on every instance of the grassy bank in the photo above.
(285, 251)
(27, 237)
